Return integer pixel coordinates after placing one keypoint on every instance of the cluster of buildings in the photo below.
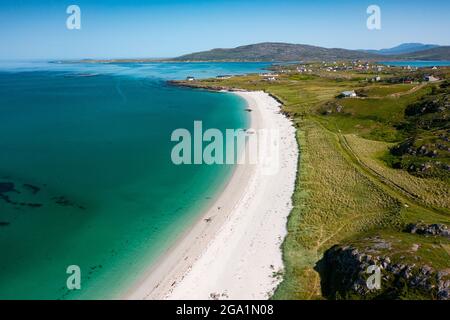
(342, 66)
(269, 76)
(413, 68)
(302, 69)
(356, 65)
(409, 68)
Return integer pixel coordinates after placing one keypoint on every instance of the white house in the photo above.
(431, 78)
(376, 79)
(190, 78)
(349, 94)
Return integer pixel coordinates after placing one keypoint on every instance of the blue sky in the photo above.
(121, 29)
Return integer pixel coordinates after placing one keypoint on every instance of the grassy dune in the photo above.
(333, 200)
(431, 192)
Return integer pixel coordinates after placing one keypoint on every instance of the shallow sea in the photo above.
(86, 176)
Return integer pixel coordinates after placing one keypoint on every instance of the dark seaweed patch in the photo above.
(63, 201)
(6, 187)
(7, 199)
(31, 188)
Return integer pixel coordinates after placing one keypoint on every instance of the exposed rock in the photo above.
(214, 296)
(345, 272)
(436, 229)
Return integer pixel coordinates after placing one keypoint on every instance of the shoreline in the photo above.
(233, 250)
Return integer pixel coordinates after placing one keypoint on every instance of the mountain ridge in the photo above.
(403, 48)
(439, 53)
(274, 51)
(280, 51)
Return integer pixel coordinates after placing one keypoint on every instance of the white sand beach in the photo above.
(233, 250)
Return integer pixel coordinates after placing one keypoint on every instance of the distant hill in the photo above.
(439, 53)
(275, 51)
(403, 49)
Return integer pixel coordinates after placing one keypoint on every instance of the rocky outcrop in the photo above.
(206, 86)
(344, 272)
(436, 229)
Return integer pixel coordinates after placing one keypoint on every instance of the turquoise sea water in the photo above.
(418, 64)
(85, 172)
